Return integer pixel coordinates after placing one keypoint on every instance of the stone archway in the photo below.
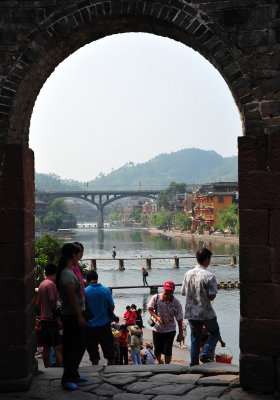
(242, 42)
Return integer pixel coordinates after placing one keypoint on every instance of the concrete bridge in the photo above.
(99, 198)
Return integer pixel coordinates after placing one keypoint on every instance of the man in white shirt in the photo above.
(200, 288)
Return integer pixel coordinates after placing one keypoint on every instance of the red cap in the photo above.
(169, 286)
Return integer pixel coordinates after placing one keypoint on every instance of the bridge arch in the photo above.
(242, 42)
(90, 196)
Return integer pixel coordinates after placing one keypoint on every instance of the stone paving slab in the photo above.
(214, 369)
(131, 396)
(177, 389)
(167, 368)
(119, 380)
(171, 378)
(200, 393)
(223, 380)
(105, 389)
(140, 375)
(139, 387)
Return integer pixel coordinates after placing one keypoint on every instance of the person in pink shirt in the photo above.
(77, 269)
(50, 324)
(165, 310)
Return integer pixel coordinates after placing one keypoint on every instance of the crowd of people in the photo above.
(74, 318)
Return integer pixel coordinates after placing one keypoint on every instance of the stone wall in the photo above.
(241, 39)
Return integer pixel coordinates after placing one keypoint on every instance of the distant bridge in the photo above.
(99, 198)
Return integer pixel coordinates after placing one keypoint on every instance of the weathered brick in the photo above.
(259, 190)
(274, 152)
(260, 337)
(250, 223)
(16, 160)
(260, 300)
(254, 263)
(17, 259)
(257, 373)
(252, 154)
(274, 229)
(24, 289)
(19, 225)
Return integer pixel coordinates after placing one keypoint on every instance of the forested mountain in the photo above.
(188, 165)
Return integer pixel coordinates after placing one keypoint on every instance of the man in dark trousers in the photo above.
(200, 288)
(98, 329)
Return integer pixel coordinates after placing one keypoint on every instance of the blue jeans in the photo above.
(145, 280)
(212, 327)
(135, 355)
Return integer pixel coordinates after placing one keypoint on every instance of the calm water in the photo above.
(137, 243)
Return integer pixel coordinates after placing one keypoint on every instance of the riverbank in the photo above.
(205, 238)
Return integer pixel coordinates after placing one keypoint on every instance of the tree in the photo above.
(47, 249)
(161, 219)
(136, 214)
(228, 218)
(58, 206)
(115, 216)
(182, 221)
(166, 195)
(37, 223)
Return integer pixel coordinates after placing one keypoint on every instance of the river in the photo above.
(140, 243)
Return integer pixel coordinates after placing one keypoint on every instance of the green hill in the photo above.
(188, 165)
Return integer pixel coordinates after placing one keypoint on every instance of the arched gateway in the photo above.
(241, 39)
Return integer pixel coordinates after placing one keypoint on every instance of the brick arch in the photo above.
(70, 28)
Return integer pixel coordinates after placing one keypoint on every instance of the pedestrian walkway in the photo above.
(211, 381)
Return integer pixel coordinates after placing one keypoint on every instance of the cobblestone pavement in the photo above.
(131, 382)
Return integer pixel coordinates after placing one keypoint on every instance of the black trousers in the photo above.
(74, 346)
(123, 355)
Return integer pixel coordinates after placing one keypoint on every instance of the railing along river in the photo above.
(154, 288)
(93, 261)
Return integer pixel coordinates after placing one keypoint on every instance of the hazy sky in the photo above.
(130, 97)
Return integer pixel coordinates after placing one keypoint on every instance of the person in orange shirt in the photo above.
(129, 316)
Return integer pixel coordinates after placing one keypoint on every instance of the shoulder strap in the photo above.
(156, 304)
(151, 353)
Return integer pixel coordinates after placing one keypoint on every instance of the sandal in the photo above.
(81, 379)
(70, 386)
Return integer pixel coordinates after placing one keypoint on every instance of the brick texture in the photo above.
(242, 42)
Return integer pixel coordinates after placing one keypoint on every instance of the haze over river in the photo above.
(131, 242)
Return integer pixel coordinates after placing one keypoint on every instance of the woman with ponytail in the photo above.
(72, 305)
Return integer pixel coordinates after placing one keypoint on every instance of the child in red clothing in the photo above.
(123, 345)
(129, 316)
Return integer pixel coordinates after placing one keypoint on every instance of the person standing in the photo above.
(129, 316)
(145, 274)
(114, 252)
(200, 288)
(98, 329)
(50, 324)
(135, 343)
(77, 269)
(123, 345)
(165, 310)
(72, 306)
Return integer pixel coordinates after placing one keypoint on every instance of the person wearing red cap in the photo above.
(165, 310)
